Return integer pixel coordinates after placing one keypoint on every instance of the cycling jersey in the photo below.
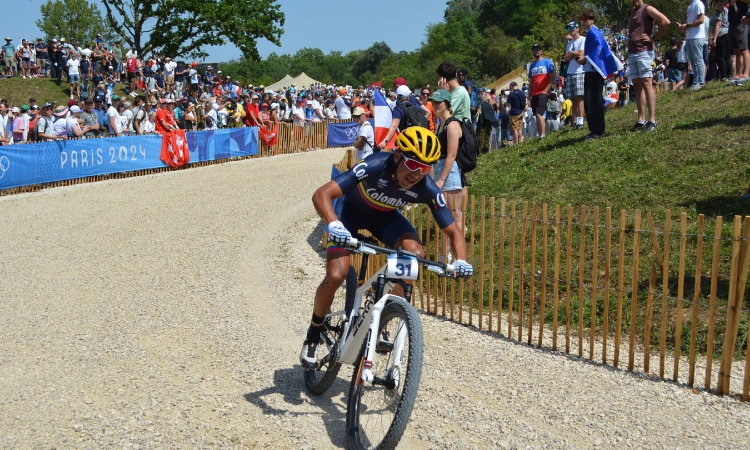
(371, 188)
(372, 198)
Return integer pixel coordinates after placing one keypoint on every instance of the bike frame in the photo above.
(355, 333)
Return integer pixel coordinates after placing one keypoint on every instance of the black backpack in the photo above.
(468, 146)
(413, 116)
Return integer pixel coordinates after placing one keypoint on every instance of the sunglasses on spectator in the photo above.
(425, 93)
(413, 165)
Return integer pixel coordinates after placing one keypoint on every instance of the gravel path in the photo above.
(167, 312)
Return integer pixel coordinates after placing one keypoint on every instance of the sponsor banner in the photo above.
(45, 162)
(343, 134)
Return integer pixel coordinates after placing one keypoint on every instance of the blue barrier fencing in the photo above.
(343, 134)
(45, 162)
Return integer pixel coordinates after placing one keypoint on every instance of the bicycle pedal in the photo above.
(384, 347)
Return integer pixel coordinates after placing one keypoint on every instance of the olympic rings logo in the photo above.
(4, 165)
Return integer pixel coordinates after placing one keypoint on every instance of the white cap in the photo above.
(75, 109)
(403, 91)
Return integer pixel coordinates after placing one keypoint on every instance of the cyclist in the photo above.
(372, 192)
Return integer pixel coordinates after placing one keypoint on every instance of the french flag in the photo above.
(383, 118)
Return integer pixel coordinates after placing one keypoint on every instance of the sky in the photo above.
(329, 25)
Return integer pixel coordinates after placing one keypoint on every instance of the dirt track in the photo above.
(168, 311)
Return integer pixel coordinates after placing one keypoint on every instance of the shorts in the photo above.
(9, 64)
(26, 60)
(170, 80)
(674, 74)
(739, 36)
(641, 64)
(131, 75)
(539, 104)
(387, 227)
(453, 182)
(574, 85)
(74, 78)
(516, 122)
(193, 86)
(120, 67)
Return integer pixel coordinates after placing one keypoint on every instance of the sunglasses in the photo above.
(425, 93)
(414, 165)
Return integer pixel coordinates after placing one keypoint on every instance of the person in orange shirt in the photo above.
(165, 121)
(424, 95)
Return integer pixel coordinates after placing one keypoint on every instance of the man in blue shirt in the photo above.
(99, 111)
(517, 102)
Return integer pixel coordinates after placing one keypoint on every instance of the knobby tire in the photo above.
(377, 415)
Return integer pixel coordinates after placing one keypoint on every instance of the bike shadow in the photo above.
(289, 383)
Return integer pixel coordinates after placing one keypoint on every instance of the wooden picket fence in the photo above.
(576, 280)
(664, 298)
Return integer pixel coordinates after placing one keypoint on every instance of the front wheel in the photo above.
(377, 413)
(320, 378)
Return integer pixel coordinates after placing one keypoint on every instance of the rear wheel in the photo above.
(320, 378)
(377, 412)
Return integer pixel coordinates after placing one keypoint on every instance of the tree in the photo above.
(184, 27)
(72, 19)
(371, 59)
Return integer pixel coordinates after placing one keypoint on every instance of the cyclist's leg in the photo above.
(337, 267)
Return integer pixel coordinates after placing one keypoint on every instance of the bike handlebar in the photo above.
(361, 245)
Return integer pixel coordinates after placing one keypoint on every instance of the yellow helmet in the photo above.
(419, 143)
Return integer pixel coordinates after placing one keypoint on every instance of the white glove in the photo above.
(463, 269)
(338, 234)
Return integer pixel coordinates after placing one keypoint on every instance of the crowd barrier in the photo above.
(57, 161)
(30, 167)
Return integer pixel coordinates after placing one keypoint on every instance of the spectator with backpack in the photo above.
(405, 115)
(446, 172)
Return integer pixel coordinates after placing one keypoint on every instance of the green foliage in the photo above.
(184, 27)
(73, 19)
(371, 59)
(489, 38)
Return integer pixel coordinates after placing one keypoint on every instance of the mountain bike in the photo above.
(381, 335)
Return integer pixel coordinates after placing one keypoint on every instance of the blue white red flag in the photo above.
(383, 117)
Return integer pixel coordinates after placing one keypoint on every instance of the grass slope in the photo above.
(17, 91)
(697, 161)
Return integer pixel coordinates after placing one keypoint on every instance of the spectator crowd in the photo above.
(597, 73)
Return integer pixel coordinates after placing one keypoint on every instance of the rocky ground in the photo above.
(168, 311)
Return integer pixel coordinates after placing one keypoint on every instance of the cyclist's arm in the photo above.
(323, 201)
(458, 244)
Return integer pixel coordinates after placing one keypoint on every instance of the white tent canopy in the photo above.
(300, 80)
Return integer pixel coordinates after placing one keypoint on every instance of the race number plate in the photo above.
(403, 267)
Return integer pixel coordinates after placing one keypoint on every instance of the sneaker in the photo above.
(593, 136)
(307, 356)
(733, 82)
(697, 87)
(638, 126)
(742, 80)
(71, 97)
(650, 126)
